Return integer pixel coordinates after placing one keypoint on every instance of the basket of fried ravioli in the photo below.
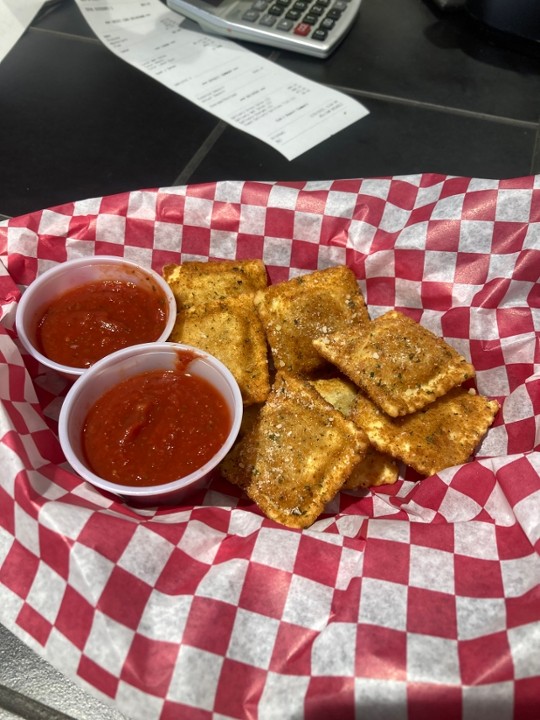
(332, 398)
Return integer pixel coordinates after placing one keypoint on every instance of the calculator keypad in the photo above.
(314, 18)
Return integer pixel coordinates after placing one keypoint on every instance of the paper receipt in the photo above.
(250, 93)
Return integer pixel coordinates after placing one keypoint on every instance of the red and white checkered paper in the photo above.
(413, 599)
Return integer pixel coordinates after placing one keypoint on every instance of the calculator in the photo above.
(312, 27)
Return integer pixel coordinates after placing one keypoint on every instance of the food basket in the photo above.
(399, 602)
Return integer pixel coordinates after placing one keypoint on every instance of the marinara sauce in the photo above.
(155, 427)
(97, 318)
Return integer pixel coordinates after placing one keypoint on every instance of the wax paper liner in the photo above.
(419, 598)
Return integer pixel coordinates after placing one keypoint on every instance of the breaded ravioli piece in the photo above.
(249, 417)
(376, 468)
(399, 364)
(339, 392)
(195, 283)
(298, 455)
(231, 331)
(443, 434)
(237, 466)
(296, 311)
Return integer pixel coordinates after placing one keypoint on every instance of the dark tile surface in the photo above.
(79, 122)
(64, 17)
(395, 139)
(445, 95)
(408, 49)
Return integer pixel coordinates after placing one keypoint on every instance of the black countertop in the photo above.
(445, 94)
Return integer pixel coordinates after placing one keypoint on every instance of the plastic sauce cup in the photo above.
(71, 274)
(120, 366)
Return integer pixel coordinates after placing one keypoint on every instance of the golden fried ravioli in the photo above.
(399, 364)
(196, 283)
(339, 392)
(443, 434)
(375, 468)
(297, 311)
(231, 331)
(249, 417)
(297, 456)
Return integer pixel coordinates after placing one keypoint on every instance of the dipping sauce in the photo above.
(155, 427)
(97, 318)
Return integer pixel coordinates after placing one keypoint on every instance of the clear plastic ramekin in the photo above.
(120, 366)
(71, 274)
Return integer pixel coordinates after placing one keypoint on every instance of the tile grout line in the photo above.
(201, 153)
(535, 160)
(529, 124)
(71, 36)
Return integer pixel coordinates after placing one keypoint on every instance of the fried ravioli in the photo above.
(231, 331)
(249, 417)
(238, 465)
(297, 456)
(340, 393)
(375, 469)
(197, 283)
(443, 434)
(399, 364)
(297, 311)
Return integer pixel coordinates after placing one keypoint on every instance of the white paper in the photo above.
(248, 92)
(15, 17)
